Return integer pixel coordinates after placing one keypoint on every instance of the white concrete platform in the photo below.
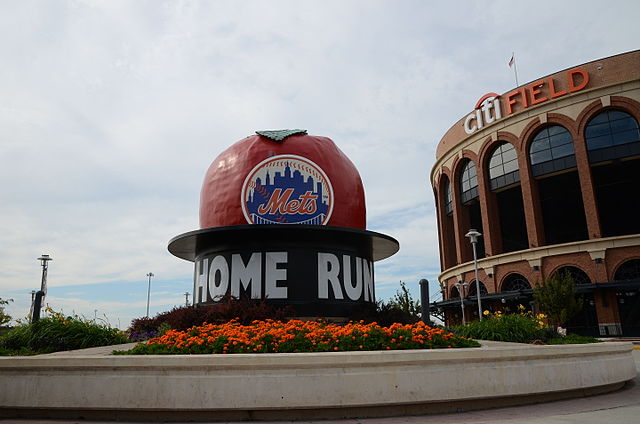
(97, 385)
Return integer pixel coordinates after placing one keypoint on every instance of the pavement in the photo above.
(619, 407)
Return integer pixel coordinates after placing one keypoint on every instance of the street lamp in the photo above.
(149, 292)
(461, 287)
(38, 298)
(45, 267)
(473, 238)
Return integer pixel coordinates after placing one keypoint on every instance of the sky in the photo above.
(112, 111)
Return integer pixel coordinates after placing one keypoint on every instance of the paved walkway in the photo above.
(621, 407)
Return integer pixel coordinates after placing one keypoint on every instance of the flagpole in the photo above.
(515, 67)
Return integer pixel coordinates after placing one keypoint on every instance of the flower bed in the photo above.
(299, 336)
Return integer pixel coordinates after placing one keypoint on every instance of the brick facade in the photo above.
(611, 84)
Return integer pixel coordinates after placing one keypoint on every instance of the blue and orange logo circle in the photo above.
(287, 189)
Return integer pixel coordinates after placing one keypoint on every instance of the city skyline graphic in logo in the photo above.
(287, 189)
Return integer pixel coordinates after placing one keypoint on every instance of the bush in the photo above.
(244, 310)
(382, 313)
(4, 317)
(401, 308)
(522, 327)
(556, 297)
(298, 336)
(57, 333)
(404, 301)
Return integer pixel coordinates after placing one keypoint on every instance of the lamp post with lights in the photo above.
(38, 297)
(150, 274)
(461, 287)
(473, 235)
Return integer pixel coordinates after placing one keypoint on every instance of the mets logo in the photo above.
(287, 189)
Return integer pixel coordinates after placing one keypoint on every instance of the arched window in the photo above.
(629, 270)
(448, 199)
(503, 166)
(454, 293)
(515, 282)
(551, 151)
(578, 275)
(469, 182)
(473, 290)
(612, 134)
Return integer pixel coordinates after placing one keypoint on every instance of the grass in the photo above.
(57, 333)
(572, 339)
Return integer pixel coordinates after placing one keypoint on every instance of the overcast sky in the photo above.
(111, 112)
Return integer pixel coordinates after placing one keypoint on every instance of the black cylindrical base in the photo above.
(319, 271)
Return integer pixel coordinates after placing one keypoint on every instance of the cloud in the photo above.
(112, 111)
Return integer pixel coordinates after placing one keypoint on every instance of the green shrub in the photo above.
(556, 297)
(244, 310)
(57, 332)
(404, 301)
(573, 339)
(522, 327)
(383, 313)
(4, 317)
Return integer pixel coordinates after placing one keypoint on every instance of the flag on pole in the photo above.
(512, 64)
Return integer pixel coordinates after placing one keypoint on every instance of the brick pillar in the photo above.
(440, 241)
(586, 187)
(445, 227)
(531, 202)
(491, 232)
(459, 222)
(440, 215)
(607, 307)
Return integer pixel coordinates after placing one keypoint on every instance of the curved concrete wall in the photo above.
(347, 381)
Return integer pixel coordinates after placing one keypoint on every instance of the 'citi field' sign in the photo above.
(490, 107)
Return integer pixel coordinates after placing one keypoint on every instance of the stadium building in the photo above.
(549, 173)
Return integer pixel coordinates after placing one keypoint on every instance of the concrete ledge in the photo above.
(321, 385)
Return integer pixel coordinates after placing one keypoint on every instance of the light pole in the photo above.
(45, 267)
(149, 292)
(186, 298)
(461, 287)
(38, 299)
(473, 238)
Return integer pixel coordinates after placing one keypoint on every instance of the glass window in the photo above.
(629, 270)
(510, 166)
(473, 289)
(539, 157)
(551, 143)
(562, 150)
(448, 207)
(608, 129)
(515, 282)
(578, 275)
(504, 157)
(503, 166)
(469, 182)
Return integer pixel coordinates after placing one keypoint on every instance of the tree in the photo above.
(4, 318)
(404, 301)
(556, 297)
